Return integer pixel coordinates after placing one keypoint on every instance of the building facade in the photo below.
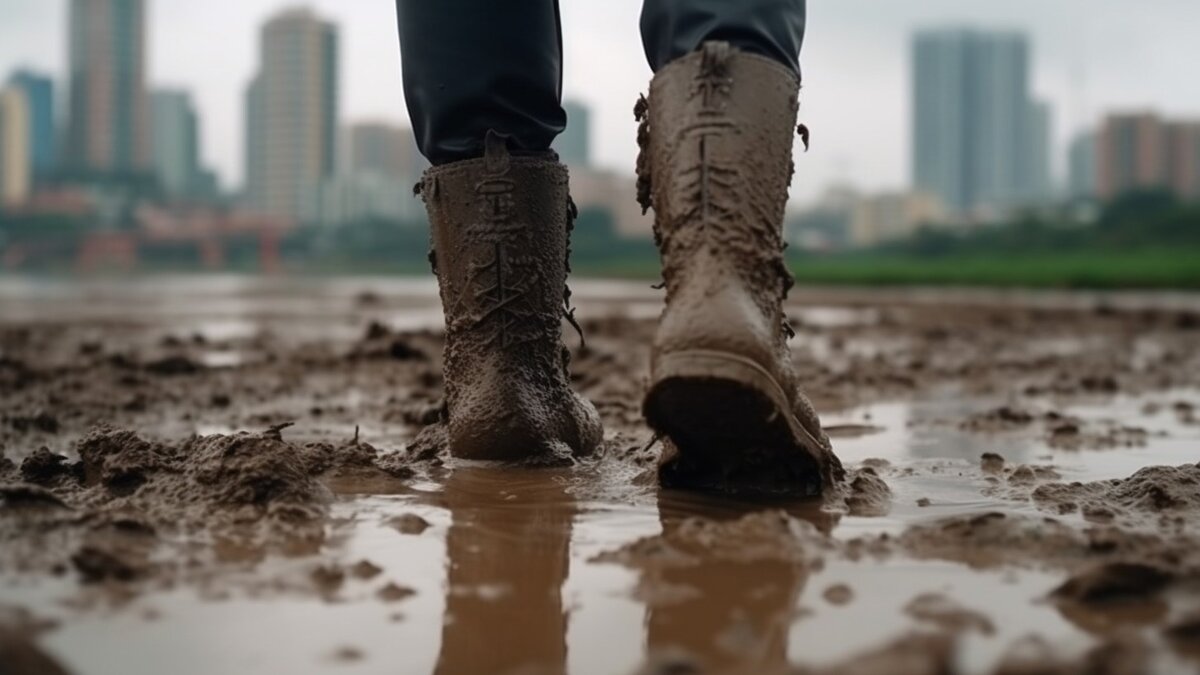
(1132, 154)
(573, 145)
(379, 165)
(176, 143)
(292, 115)
(980, 141)
(108, 125)
(875, 219)
(16, 161)
(1081, 166)
(43, 141)
(1183, 154)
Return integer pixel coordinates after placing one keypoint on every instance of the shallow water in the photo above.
(514, 571)
(506, 576)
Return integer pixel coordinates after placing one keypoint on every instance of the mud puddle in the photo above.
(1022, 498)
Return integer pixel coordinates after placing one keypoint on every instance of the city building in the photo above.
(292, 115)
(108, 122)
(1081, 166)
(353, 198)
(613, 192)
(176, 143)
(823, 225)
(876, 219)
(1036, 184)
(1183, 142)
(1131, 154)
(39, 94)
(573, 145)
(1143, 151)
(388, 149)
(980, 141)
(16, 162)
(380, 163)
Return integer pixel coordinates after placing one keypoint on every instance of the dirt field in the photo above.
(229, 476)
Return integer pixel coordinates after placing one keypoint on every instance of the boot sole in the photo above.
(732, 426)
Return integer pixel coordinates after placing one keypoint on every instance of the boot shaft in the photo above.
(499, 230)
(716, 163)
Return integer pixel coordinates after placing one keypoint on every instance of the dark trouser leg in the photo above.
(771, 28)
(474, 65)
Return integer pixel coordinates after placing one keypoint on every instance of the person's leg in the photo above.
(471, 66)
(716, 140)
(483, 81)
(770, 28)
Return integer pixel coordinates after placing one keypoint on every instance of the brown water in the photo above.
(593, 569)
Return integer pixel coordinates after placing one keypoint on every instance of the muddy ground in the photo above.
(232, 477)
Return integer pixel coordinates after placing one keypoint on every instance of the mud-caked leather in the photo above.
(715, 165)
(500, 228)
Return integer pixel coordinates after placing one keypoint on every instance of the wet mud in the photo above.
(1022, 496)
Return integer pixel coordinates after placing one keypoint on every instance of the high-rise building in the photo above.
(39, 93)
(16, 162)
(108, 126)
(380, 163)
(1081, 166)
(574, 145)
(292, 115)
(894, 215)
(980, 142)
(1183, 153)
(1036, 186)
(176, 143)
(384, 149)
(1143, 151)
(1131, 154)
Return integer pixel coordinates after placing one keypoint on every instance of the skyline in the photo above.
(853, 61)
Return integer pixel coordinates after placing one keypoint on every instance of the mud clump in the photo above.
(947, 614)
(1073, 435)
(392, 592)
(173, 365)
(1115, 656)
(1004, 418)
(838, 595)
(19, 655)
(1114, 583)
(1157, 491)
(408, 523)
(992, 463)
(46, 468)
(868, 495)
(916, 653)
(28, 496)
(243, 475)
(96, 564)
(380, 342)
(1184, 634)
(104, 514)
(41, 421)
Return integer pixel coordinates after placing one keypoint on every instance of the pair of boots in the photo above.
(715, 165)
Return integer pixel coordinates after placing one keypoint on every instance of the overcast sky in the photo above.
(1089, 55)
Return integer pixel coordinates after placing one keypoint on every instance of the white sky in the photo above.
(1090, 56)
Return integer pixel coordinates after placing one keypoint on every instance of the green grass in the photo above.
(1157, 268)
(1149, 268)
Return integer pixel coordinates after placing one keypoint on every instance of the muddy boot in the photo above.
(500, 230)
(716, 141)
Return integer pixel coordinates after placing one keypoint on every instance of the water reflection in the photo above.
(729, 613)
(507, 553)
